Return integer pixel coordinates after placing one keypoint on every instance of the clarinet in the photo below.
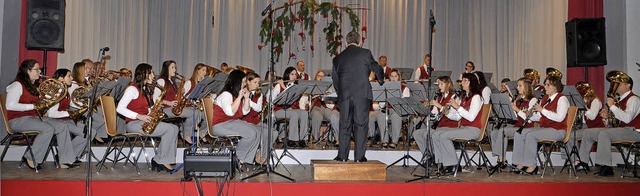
(441, 114)
(529, 114)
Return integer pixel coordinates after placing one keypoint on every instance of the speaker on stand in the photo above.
(586, 43)
(45, 26)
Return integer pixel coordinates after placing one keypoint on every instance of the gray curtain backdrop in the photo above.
(500, 36)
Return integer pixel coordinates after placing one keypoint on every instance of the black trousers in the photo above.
(354, 116)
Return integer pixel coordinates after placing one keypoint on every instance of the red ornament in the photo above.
(335, 53)
(259, 47)
(301, 34)
(273, 32)
(363, 38)
(312, 48)
(325, 15)
(291, 55)
(278, 50)
(364, 28)
(280, 24)
(339, 43)
(296, 19)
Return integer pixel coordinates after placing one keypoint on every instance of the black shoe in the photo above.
(582, 166)
(69, 166)
(450, 170)
(291, 144)
(302, 144)
(24, 160)
(535, 171)
(159, 167)
(77, 162)
(362, 160)
(339, 159)
(605, 171)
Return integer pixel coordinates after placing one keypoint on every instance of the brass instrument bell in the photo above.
(532, 74)
(554, 72)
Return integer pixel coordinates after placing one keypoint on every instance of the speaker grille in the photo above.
(45, 31)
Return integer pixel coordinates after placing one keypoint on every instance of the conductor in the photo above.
(350, 76)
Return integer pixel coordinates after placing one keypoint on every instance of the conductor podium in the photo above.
(331, 170)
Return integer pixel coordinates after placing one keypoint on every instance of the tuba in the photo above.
(182, 100)
(532, 74)
(156, 113)
(51, 93)
(615, 78)
(587, 93)
(554, 72)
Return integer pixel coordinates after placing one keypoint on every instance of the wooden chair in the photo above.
(547, 145)
(109, 113)
(463, 142)
(218, 139)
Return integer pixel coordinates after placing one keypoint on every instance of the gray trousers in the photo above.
(79, 141)
(296, 117)
(498, 142)
(248, 145)
(168, 133)
(443, 145)
(395, 128)
(604, 137)
(525, 145)
(263, 131)
(188, 126)
(320, 113)
(98, 124)
(63, 138)
(421, 136)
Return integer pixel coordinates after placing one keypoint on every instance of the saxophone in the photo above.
(51, 93)
(182, 100)
(156, 113)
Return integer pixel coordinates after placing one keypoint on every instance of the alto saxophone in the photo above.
(180, 98)
(156, 113)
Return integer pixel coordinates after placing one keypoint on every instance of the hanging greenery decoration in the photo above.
(286, 18)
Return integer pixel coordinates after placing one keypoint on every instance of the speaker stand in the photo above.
(44, 63)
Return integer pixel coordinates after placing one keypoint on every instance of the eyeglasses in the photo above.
(36, 69)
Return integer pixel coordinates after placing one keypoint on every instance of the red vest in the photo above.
(25, 98)
(423, 73)
(522, 105)
(253, 117)
(138, 105)
(595, 123)
(446, 122)
(623, 106)
(477, 122)
(171, 91)
(295, 105)
(64, 105)
(303, 76)
(387, 71)
(552, 106)
(219, 116)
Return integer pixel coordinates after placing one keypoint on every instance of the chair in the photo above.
(630, 145)
(232, 139)
(547, 145)
(109, 113)
(486, 108)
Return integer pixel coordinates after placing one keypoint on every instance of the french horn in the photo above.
(51, 93)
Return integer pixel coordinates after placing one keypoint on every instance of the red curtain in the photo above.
(38, 55)
(586, 9)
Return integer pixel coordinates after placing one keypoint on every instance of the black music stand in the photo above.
(405, 107)
(538, 94)
(380, 94)
(435, 74)
(512, 88)
(501, 104)
(405, 73)
(285, 99)
(493, 88)
(487, 76)
(118, 90)
(575, 99)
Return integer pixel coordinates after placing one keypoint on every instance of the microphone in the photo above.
(432, 19)
(267, 9)
(105, 49)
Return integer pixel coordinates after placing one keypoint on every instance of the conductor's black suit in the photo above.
(350, 76)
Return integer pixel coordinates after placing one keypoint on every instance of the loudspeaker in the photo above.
(586, 42)
(45, 24)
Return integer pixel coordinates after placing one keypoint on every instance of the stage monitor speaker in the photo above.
(586, 42)
(210, 164)
(45, 25)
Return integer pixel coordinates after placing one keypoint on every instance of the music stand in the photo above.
(487, 76)
(405, 107)
(575, 99)
(97, 91)
(538, 94)
(285, 99)
(501, 103)
(436, 74)
(405, 73)
(512, 88)
(380, 94)
(493, 88)
(118, 90)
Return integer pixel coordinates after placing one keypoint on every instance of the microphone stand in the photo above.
(268, 168)
(87, 131)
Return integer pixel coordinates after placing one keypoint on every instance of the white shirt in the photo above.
(633, 103)
(532, 102)
(130, 93)
(451, 112)
(471, 114)
(561, 110)
(256, 106)
(486, 95)
(594, 110)
(416, 75)
(224, 100)
(14, 91)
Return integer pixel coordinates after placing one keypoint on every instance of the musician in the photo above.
(626, 111)
(396, 120)
(590, 118)
(486, 91)
(296, 113)
(22, 96)
(98, 129)
(422, 72)
(224, 67)
(468, 112)
(552, 117)
(135, 105)
(469, 67)
(503, 85)
(447, 122)
(383, 62)
(229, 107)
(534, 76)
(256, 100)
(89, 70)
(300, 69)
(124, 72)
(523, 103)
(323, 111)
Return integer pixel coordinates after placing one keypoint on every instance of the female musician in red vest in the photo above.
(256, 101)
(60, 113)
(468, 112)
(422, 72)
(521, 105)
(199, 72)
(135, 106)
(439, 104)
(80, 79)
(627, 111)
(229, 108)
(323, 110)
(484, 87)
(591, 119)
(396, 120)
(552, 116)
(296, 113)
(22, 94)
